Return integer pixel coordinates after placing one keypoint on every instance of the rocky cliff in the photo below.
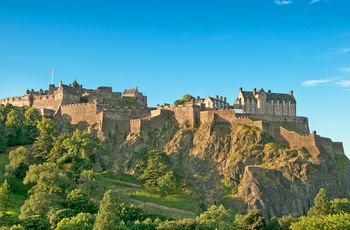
(240, 166)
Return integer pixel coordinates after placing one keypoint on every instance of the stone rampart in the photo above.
(117, 118)
(47, 102)
(187, 114)
(338, 148)
(299, 124)
(82, 112)
(294, 139)
(17, 101)
(152, 122)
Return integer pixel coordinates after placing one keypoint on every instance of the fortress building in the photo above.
(265, 103)
(101, 110)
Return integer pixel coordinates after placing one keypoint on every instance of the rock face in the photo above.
(240, 166)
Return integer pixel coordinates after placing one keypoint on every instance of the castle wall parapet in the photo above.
(150, 123)
(297, 123)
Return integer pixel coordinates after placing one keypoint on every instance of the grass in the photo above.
(342, 161)
(165, 214)
(177, 199)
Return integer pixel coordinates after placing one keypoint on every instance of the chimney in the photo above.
(220, 98)
(291, 93)
(254, 91)
(217, 96)
(224, 99)
(241, 89)
(269, 91)
(198, 98)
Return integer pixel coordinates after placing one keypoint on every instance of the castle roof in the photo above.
(69, 90)
(130, 91)
(280, 97)
(269, 96)
(248, 95)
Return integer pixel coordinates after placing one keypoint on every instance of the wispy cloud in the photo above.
(345, 50)
(345, 69)
(283, 2)
(314, 1)
(316, 82)
(335, 81)
(343, 83)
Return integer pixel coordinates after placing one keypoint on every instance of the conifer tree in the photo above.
(322, 205)
(3, 139)
(6, 201)
(106, 218)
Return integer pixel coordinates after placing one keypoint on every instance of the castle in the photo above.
(274, 113)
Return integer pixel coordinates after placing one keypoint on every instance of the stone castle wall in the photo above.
(152, 122)
(187, 114)
(117, 118)
(17, 101)
(82, 112)
(299, 124)
(52, 102)
(278, 133)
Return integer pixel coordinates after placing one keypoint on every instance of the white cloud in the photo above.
(314, 1)
(344, 50)
(283, 2)
(346, 69)
(316, 82)
(343, 83)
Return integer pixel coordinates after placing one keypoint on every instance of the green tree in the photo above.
(48, 132)
(3, 139)
(15, 128)
(185, 98)
(47, 177)
(182, 224)
(82, 221)
(57, 213)
(20, 160)
(79, 152)
(78, 201)
(322, 206)
(32, 118)
(106, 218)
(130, 213)
(285, 222)
(252, 220)
(166, 183)
(216, 217)
(273, 224)
(4, 110)
(34, 211)
(155, 168)
(340, 205)
(339, 221)
(6, 200)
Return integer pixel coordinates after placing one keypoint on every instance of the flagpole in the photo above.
(51, 70)
(52, 76)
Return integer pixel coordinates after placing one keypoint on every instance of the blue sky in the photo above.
(169, 48)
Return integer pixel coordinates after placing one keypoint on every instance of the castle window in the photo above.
(288, 103)
(271, 102)
(278, 102)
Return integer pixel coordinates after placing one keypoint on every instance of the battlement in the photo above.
(17, 101)
(79, 104)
